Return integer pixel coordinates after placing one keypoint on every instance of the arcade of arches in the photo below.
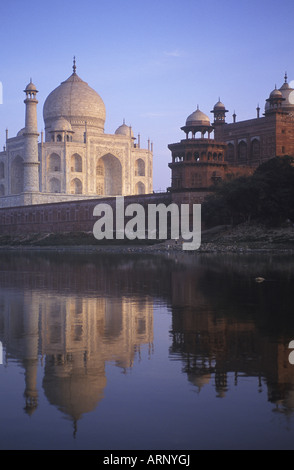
(109, 175)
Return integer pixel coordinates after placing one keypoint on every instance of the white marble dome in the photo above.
(124, 130)
(75, 101)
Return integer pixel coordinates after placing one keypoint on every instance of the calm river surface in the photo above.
(120, 352)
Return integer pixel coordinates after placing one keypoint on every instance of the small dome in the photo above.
(31, 87)
(219, 106)
(124, 130)
(198, 118)
(276, 94)
(20, 133)
(287, 93)
(61, 124)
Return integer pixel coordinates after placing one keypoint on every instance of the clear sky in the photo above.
(152, 61)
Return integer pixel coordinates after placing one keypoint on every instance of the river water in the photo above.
(140, 351)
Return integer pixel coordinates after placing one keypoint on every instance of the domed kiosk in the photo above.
(197, 122)
(219, 111)
(274, 102)
(288, 95)
(124, 130)
(281, 99)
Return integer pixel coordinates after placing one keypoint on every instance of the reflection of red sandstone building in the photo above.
(236, 149)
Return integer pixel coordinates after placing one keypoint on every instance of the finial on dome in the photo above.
(74, 65)
(286, 77)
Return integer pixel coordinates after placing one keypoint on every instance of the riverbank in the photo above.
(247, 238)
(239, 239)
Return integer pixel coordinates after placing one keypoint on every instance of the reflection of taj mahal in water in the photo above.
(77, 317)
(75, 336)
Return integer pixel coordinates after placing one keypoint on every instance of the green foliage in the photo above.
(266, 196)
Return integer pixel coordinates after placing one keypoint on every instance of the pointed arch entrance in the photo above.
(140, 188)
(109, 175)
(76, 186)
(17, 176)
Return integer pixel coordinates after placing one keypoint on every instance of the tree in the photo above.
(275, 179)
(232, 202)
(267, 196)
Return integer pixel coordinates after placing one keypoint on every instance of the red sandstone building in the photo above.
(237, 148)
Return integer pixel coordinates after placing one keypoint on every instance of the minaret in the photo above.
(219, 112)
(31, 160)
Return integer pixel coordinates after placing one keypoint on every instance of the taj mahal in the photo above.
(75, 159)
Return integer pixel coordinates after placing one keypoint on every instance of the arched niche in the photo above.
(112, 175)
(76, 163)
(17, 175)
(54, 162)
(54, 185)
(139, 167)
(76, 186)
(140, 188)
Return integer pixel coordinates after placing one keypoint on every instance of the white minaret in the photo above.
(31, 160)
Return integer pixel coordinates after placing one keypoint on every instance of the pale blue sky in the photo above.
(152, 62)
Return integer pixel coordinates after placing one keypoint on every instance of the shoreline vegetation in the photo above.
(243, 238)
